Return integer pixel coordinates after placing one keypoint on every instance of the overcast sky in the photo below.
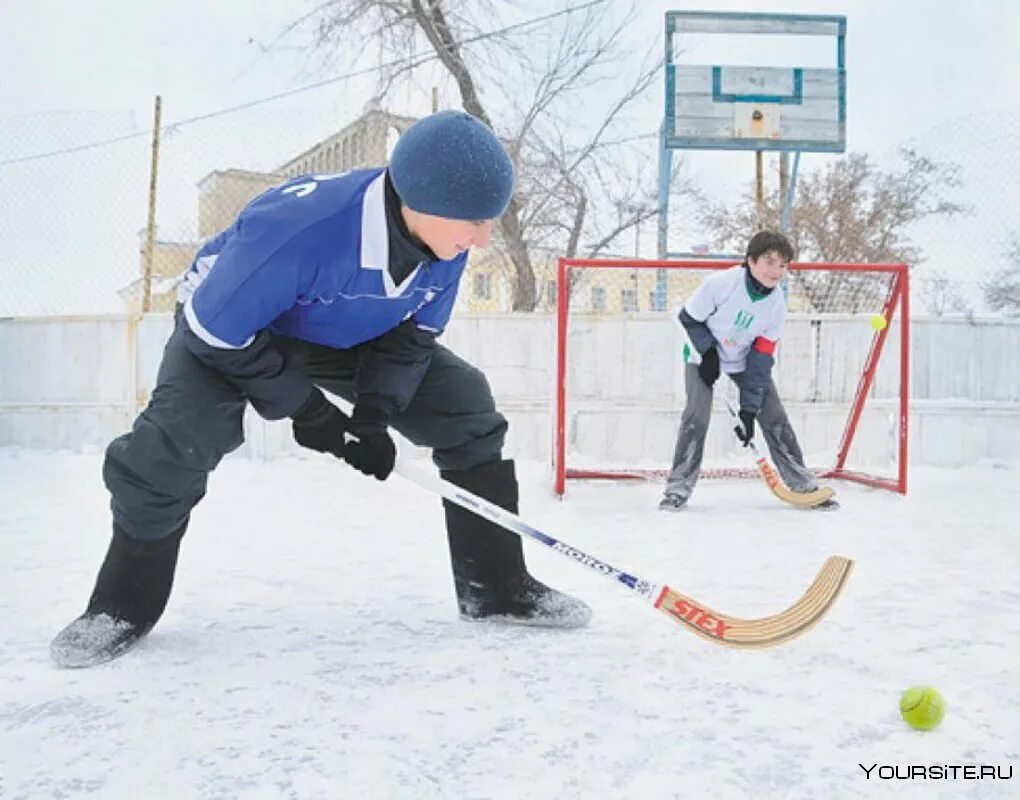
(911, 63)
(939, 71)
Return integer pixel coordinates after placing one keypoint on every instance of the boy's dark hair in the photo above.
(764, 241)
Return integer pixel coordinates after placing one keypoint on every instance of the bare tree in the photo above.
(849, 211)
(597, 201)
(942, 295)
(1002, 287)
(548, 87)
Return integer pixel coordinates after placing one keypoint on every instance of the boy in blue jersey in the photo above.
(341, 282)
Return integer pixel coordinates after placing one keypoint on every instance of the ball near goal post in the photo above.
(619, 370)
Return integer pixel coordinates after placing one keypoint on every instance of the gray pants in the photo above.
(158, 471)
(772, 422)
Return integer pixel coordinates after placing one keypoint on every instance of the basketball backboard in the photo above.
(777, 101)
(735, 107)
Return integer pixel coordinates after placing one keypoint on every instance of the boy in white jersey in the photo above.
(733, 321)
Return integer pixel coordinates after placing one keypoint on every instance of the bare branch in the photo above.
(573, 177)
(1002, 287)
(849, 211)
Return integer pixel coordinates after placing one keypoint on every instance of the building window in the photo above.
(628, 301)
(356, 149)
(482, 285)
(598, 298)
(392, 134)
(345, 155)
(550, 294)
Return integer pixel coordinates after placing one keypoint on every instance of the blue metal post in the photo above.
(665, 179)
(784, 218)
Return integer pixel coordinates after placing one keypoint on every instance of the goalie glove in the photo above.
(745, 431)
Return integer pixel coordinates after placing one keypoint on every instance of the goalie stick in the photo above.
(691, 614)
(772, 479)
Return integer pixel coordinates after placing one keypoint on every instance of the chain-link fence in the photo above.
(70, 215)
(73, 218)
(74, 198)
(960, 252)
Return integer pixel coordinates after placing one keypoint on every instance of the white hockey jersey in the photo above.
(735, 318)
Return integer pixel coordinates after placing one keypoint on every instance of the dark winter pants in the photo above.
(158, 472)
(772, 422)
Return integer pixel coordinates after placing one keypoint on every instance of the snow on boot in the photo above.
(672, 502)
(131, 592)
(92, 639)
(489, 574)
(530, 603)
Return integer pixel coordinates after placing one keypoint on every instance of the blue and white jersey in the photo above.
(309, 259)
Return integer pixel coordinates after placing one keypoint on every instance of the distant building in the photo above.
(222, 194)
(366, 142)
(488, 283)
(170, 260)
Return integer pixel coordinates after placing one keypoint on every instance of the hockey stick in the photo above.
(694, 616)
(772, 479)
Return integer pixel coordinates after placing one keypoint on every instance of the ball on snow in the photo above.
(922, 708)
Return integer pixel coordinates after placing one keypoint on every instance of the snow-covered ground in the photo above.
(311, 649)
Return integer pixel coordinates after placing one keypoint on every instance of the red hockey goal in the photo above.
(619, 370)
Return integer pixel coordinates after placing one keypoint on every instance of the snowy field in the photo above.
(311, 647)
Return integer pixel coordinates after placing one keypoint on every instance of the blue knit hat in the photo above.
(452, 165)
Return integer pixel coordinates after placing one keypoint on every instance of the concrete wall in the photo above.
(77, 382)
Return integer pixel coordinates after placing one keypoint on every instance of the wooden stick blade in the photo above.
(763, 631)
(783, 492)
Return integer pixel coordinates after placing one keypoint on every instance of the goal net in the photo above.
(841, 370)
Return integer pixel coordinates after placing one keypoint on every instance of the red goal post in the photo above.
(835, 300)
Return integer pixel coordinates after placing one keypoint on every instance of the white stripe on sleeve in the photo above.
(210, 339)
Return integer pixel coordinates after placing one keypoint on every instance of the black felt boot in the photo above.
(489, 574)
(131, 592)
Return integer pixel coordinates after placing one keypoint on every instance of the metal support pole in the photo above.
(759, 189)
(150, 227)
(665, 179)
(784, 219)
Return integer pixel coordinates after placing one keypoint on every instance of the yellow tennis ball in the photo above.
(922, 708)
(877, 322)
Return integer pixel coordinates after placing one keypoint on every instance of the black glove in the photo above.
(708, 369)
(369, 448)
(320, 425)
(745, 433)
